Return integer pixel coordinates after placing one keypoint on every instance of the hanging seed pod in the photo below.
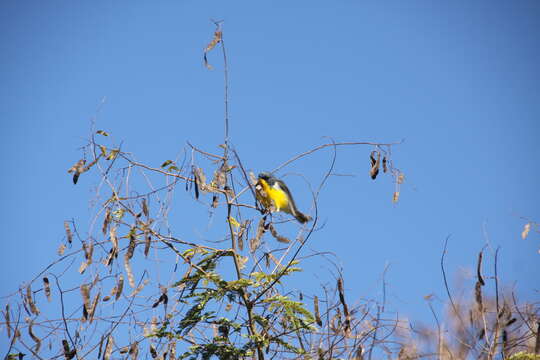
(30, 301)
(375, 163)
(69, 235)
(119, 287)
(316, 310)
(33, 336)
(8, 323)
(106, 221)
(145, 208)
(147, 243)
(134, 350)
(47, 288)
(108, 348)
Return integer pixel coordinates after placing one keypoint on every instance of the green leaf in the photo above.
(167, 162)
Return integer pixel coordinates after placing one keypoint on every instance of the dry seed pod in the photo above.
(77, 169)
(30, 301)
(129, 273)
(479, 269)
(375, 163)
(33, 336)
(106, 221)
(108, 348)
(47, 288)
(384, 166)
(153, 352)
(281, 239)
(526, 230)
(316, 310)
(145, 208)
(395, 198)
(139, 288)
(85, 293)
(217, 39)
(114, 239)
(134, 350)
(147, 242)
(119, 287)
(69, 235)
(8, 323)
(70, 354)
(131, 247)
(61, 249)
(94, 306)
(478, 296)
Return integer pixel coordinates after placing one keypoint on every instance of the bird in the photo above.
(276, 196)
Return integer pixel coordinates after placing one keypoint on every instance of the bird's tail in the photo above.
(302, 218)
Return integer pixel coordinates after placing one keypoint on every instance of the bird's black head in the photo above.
(266, 176)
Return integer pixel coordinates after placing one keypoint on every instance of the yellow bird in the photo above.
(275, 196)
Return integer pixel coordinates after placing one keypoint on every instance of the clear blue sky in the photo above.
(459, 81)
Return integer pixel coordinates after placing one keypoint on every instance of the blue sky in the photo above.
(458, 81)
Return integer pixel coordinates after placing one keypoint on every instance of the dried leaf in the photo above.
(103, 150)
(234, 222)
(106, 298)
(47, 288)
(167, 162)
(112, 155)
(525, 231)
(69, 235)
(101, 132)
(217, 39)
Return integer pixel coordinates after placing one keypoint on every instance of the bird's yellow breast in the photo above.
(277, 196)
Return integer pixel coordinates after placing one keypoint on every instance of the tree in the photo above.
(227, 298)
